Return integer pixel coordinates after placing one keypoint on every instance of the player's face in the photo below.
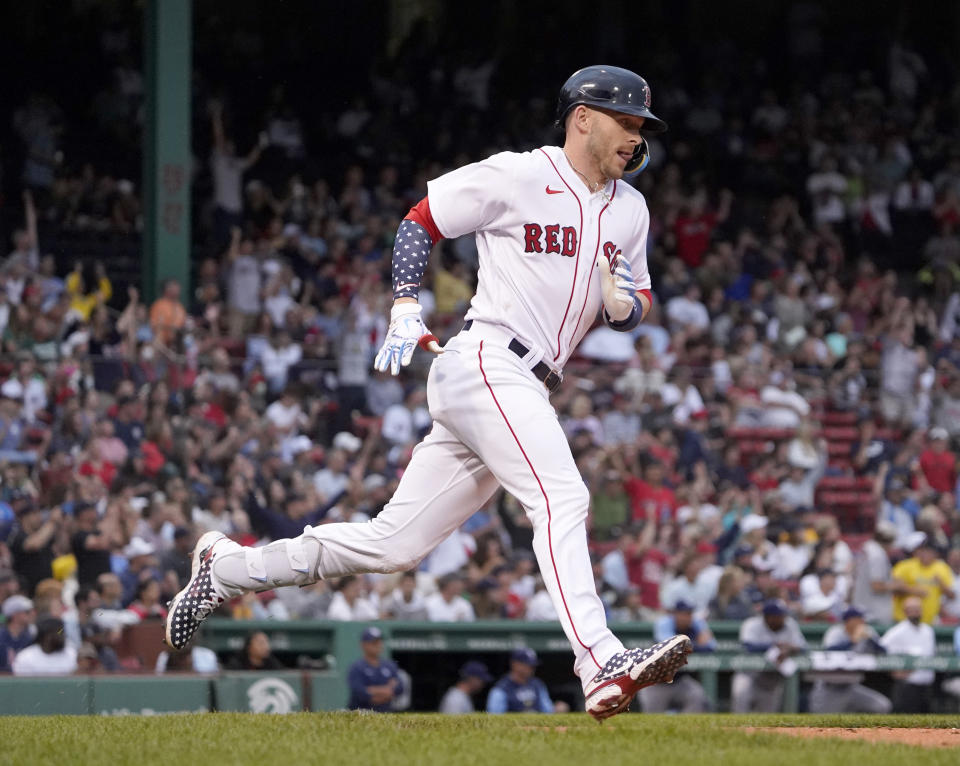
(522, 670)
(612, 139)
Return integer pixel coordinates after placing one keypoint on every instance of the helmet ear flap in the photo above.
(639, 160)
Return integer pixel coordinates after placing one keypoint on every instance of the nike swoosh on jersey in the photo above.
(554, 191)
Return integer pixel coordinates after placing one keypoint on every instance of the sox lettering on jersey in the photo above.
(611, 252)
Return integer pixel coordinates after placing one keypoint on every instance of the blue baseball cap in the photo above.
(852, 611)
(682, 605)
(775, 606)
(373, 633)
(475, 669)
(525, 655)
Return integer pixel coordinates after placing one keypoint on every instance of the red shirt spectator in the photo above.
(939, 465)
(646, 572)
(651, 499)
(693, 236)
(694, 226)
(99, 468)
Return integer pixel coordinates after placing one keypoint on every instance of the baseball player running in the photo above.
(560, 238)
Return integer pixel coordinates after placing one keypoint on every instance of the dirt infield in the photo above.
(921, 737)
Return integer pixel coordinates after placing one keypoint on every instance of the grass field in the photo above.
(358, 739)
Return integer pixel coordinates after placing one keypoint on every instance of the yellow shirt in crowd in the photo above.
(85, 304)
(912, 572)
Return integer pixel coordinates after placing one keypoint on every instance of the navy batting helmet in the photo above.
(616, 89)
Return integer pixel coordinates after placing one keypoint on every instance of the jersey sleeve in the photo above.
(544, 703)
(497, 700)
(473, 197)
(663, 628)
(637, 255)
(635, 251)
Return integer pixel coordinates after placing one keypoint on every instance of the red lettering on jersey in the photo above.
(531, 238)
(553, 238)
(550, 238)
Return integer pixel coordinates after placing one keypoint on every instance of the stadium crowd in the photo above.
(784, 426)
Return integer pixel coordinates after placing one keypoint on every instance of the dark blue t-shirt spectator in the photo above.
(130, 433)
(9, 646)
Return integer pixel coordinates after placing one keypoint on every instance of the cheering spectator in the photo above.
(227, 170)
(93, 541)
(651, 499)
(167, 314)
(32, 545)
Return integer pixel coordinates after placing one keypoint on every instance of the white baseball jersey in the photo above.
(539, 231)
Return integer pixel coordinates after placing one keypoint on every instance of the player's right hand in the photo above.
(406, 329)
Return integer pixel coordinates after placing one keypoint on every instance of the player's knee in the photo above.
(572, 503)
(401, 559)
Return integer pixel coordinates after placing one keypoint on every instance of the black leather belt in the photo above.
(549, 377)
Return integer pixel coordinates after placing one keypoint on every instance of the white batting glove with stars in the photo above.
(617, 286)
(406, 329)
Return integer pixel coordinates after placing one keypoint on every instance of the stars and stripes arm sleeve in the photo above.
(416, 237)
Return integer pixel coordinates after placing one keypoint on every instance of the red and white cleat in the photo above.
(612, 690)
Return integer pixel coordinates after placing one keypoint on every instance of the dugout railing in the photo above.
(432, 652)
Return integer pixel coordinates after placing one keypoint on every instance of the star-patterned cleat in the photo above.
(612, 690)
(191, 606)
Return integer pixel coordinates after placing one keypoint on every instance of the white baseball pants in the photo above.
(493, 424)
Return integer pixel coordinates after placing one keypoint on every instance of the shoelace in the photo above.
(207, 605)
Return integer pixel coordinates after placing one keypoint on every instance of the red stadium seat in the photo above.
(839, 433)
(838, 449)
(838, 418)
(837, 482)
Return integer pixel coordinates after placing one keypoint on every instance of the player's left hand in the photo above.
(403, 335)
(617, 286)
